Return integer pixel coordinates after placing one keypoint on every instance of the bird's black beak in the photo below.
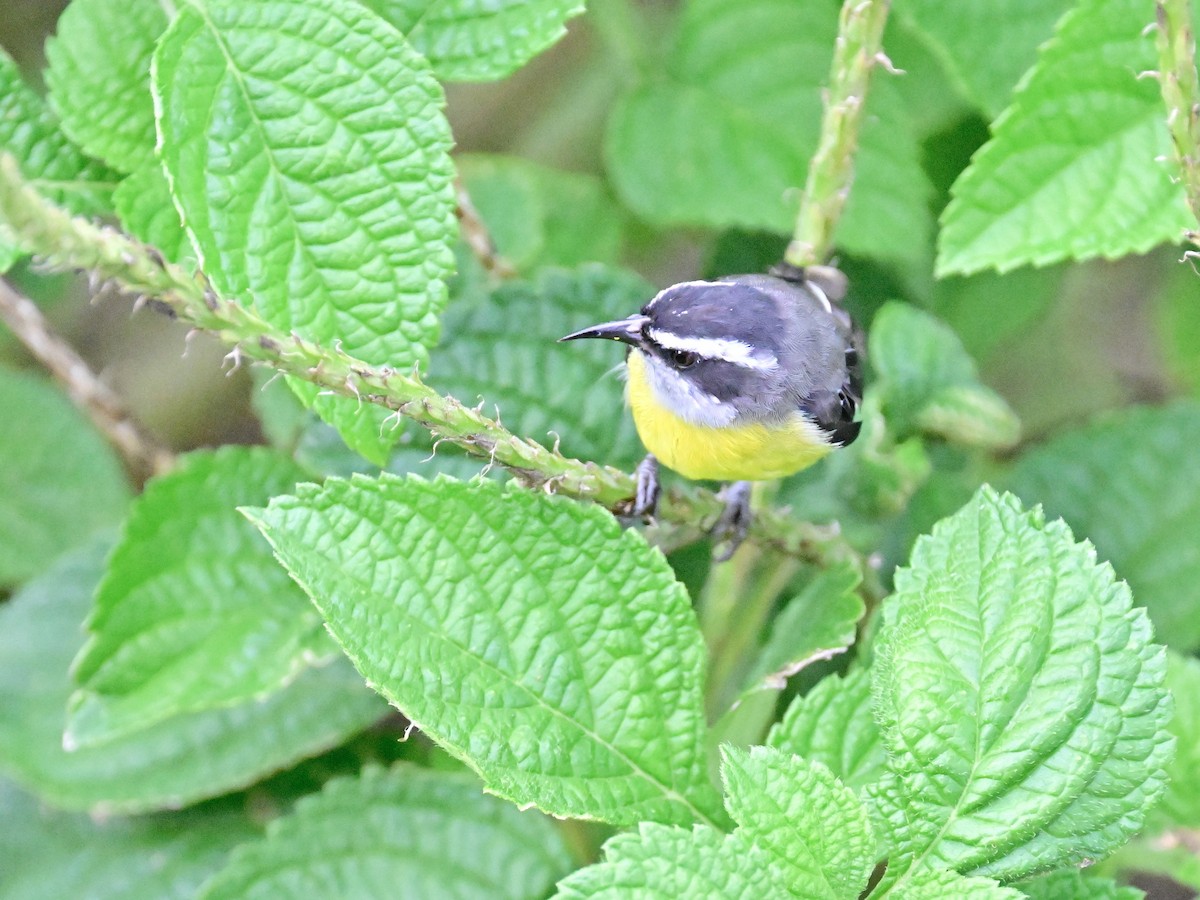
(627, 331)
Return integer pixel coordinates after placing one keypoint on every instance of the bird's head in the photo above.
(749, 347)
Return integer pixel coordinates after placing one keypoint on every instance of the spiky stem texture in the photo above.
(830, 173)
(1176, 38)
(65, 242)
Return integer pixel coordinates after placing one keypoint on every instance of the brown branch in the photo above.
(142, 454)
(476, 235)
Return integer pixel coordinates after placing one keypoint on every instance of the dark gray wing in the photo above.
(833, 411)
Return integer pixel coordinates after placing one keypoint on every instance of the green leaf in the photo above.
(817, 624)
(987, 310)
(927, 382)
(98, 75)
(433, 833)
(1071, 170)
(193, 612)
(721, 134)
(540, 216)
(938, 884)
(51, 855)
(814, 828)
(466, 40)
(801, 834)
(59, 481)
(179, 761)
(505, 352)
(143, 204)
(832, 724)
(987, 44)
(971, 415)
(306, 147)
(528, 635)
(658, 862)
(1126, 481)
(1074, 885)
(1021, 702)
(50, 162)
(1180, 807)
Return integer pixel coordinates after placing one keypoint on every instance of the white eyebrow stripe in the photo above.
(730, 350)
(682, 284)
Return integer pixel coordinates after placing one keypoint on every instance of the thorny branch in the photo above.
(830, 173)
(1176, 39)
(141, 453)
(62, 241)
(474, 232)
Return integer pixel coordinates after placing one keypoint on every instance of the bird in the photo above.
(743, 378)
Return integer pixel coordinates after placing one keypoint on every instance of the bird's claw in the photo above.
(645, 500)
(734, 523)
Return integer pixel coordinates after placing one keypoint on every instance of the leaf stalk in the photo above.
(857, 51)
(1180, 85)
(63, 242)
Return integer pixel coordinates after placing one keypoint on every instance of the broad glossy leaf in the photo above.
(1180, 807)
(505, 351)
(48, 160)
(800, 833)
(179, 761)
(423, 833)
(193, 612)
(1021, 701)
(813, 827)
(1127, 482)
(658, 862)
(49, 855)
(927, 382)
(940, 884)
(59, 481)
(721, 136)
(306, 146)
(1075, 885)
(1071, 171)
(817, 624)
(469, 40)
(98, 75)
(832, 724)
(528, 635)
(143, 204)
(986, 44)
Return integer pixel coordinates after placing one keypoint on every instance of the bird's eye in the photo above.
(682, 359)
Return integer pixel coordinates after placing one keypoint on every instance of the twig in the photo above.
(64, 242)
(1176, 39)
(141, 453)
(475, 233)
(831, 171)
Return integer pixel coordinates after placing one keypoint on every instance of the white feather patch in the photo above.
(729, 350)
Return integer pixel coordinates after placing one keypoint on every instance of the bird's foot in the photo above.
(734, 524)
(645, 499)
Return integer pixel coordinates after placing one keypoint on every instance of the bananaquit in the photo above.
(746, 378)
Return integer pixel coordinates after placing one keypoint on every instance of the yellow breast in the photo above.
(741, 452)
